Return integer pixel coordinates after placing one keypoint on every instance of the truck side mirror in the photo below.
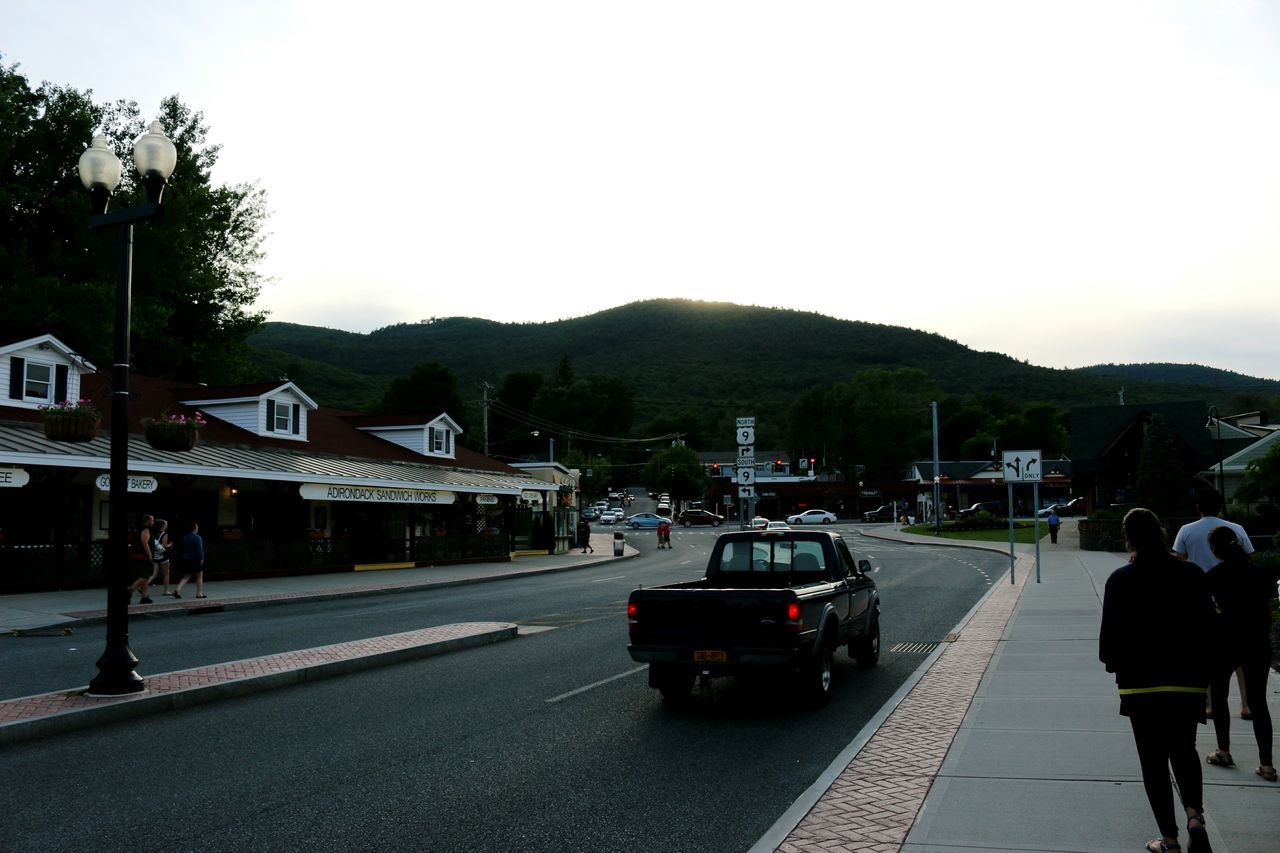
(864, 566)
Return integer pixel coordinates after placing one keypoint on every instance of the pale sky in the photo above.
(1070, 183)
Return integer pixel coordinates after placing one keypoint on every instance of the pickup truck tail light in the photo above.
(795, 620)
(632, 613)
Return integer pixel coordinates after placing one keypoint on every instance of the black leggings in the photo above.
(1162, 743)
(1255, 696)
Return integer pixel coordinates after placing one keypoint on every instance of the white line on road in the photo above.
(614, 578)
(597, 684)
(686, 562)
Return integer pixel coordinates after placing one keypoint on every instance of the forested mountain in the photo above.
(680, 354)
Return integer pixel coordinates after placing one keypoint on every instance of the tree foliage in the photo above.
(1262, 479)
(676, 471)
(1163, 482)
(430, 388)
(194, 268)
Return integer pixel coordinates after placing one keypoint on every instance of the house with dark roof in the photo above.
(277, 482)
(1106, 444)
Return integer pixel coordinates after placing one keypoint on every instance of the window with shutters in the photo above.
(284, 418)
(38, 383)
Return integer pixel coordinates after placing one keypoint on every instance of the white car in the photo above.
(777, 525)
(610, 516)
(812, 516)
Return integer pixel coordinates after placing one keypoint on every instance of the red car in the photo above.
(691, 517)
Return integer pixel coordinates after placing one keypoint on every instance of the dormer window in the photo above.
(284, 417)
(38, 382)
(440, 440)
(38, 387)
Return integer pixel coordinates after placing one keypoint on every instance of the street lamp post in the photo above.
(155, 157)
(1215, 420)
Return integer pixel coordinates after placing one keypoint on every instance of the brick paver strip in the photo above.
(35, 716)
(873, 803)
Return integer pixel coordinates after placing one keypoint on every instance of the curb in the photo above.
(147, 703)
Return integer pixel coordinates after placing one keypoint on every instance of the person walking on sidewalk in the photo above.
(159, 544)
(584, 534)
(1242, 595)
(192, 561)
(1192, 544)
(1054, 524)
(1155, 637)
(140, 560)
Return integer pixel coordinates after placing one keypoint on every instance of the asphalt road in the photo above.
(550, 742)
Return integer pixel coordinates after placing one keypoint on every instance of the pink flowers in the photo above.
(175, 421)
(71, 408)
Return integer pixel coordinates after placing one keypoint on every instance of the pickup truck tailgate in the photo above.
(720, 616)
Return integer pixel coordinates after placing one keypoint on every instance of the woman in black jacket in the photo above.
(1155, 638)
(1242, 594)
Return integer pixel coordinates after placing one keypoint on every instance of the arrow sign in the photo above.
(1021, 466)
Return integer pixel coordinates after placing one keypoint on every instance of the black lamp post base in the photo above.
(115, 673)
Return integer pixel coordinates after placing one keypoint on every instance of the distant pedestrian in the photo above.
(192, 560)
(140, 564)
(584, 535)
(1155, 637)
(160, 553)
(664, 533)
(1192, 543)
(1242, 596)
(1054, 524)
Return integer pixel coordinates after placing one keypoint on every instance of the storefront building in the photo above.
(277, 483)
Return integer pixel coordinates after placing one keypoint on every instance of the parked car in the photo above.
(993, 507)
(759, 523)
(880, 513)
(1075, 506)
(812, 516)
(700, 516)
(643, 519)
(588, 513)
(777, 525)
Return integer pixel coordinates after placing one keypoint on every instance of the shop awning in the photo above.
(22, 445)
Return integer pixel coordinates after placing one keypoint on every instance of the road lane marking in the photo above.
(686, 562)
(614, 578)
(597, 684)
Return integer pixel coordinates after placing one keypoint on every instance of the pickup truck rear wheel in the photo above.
(816, 679)
(866, 650)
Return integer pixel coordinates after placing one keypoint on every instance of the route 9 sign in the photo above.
(747, 476)
(747, 435)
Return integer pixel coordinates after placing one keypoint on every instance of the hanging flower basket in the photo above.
(173, 432)
(70, 421)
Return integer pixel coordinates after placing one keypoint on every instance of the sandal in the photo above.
(1197, 834)
(1159, 845)
(1267, 773)
(201, 595)
(1218, 758)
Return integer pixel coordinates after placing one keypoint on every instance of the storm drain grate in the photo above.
(914, 648)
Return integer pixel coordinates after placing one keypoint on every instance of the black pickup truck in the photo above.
(780, 600)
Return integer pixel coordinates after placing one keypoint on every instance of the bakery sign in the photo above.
(13, 478)
(374, 494)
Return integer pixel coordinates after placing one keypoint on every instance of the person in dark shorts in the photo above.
(1242, 596)
(140, 564)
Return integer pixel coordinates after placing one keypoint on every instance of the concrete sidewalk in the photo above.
(38, 611)
(1009, 738)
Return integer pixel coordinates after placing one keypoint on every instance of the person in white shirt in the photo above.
(1192, 543)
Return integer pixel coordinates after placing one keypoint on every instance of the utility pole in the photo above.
(484, 407)
(937, 480)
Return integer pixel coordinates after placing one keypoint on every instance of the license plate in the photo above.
(710, 656)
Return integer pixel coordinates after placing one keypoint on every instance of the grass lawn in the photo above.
(1023, 535)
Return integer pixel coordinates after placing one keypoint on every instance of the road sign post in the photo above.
(1023, 466)
(744, 432)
